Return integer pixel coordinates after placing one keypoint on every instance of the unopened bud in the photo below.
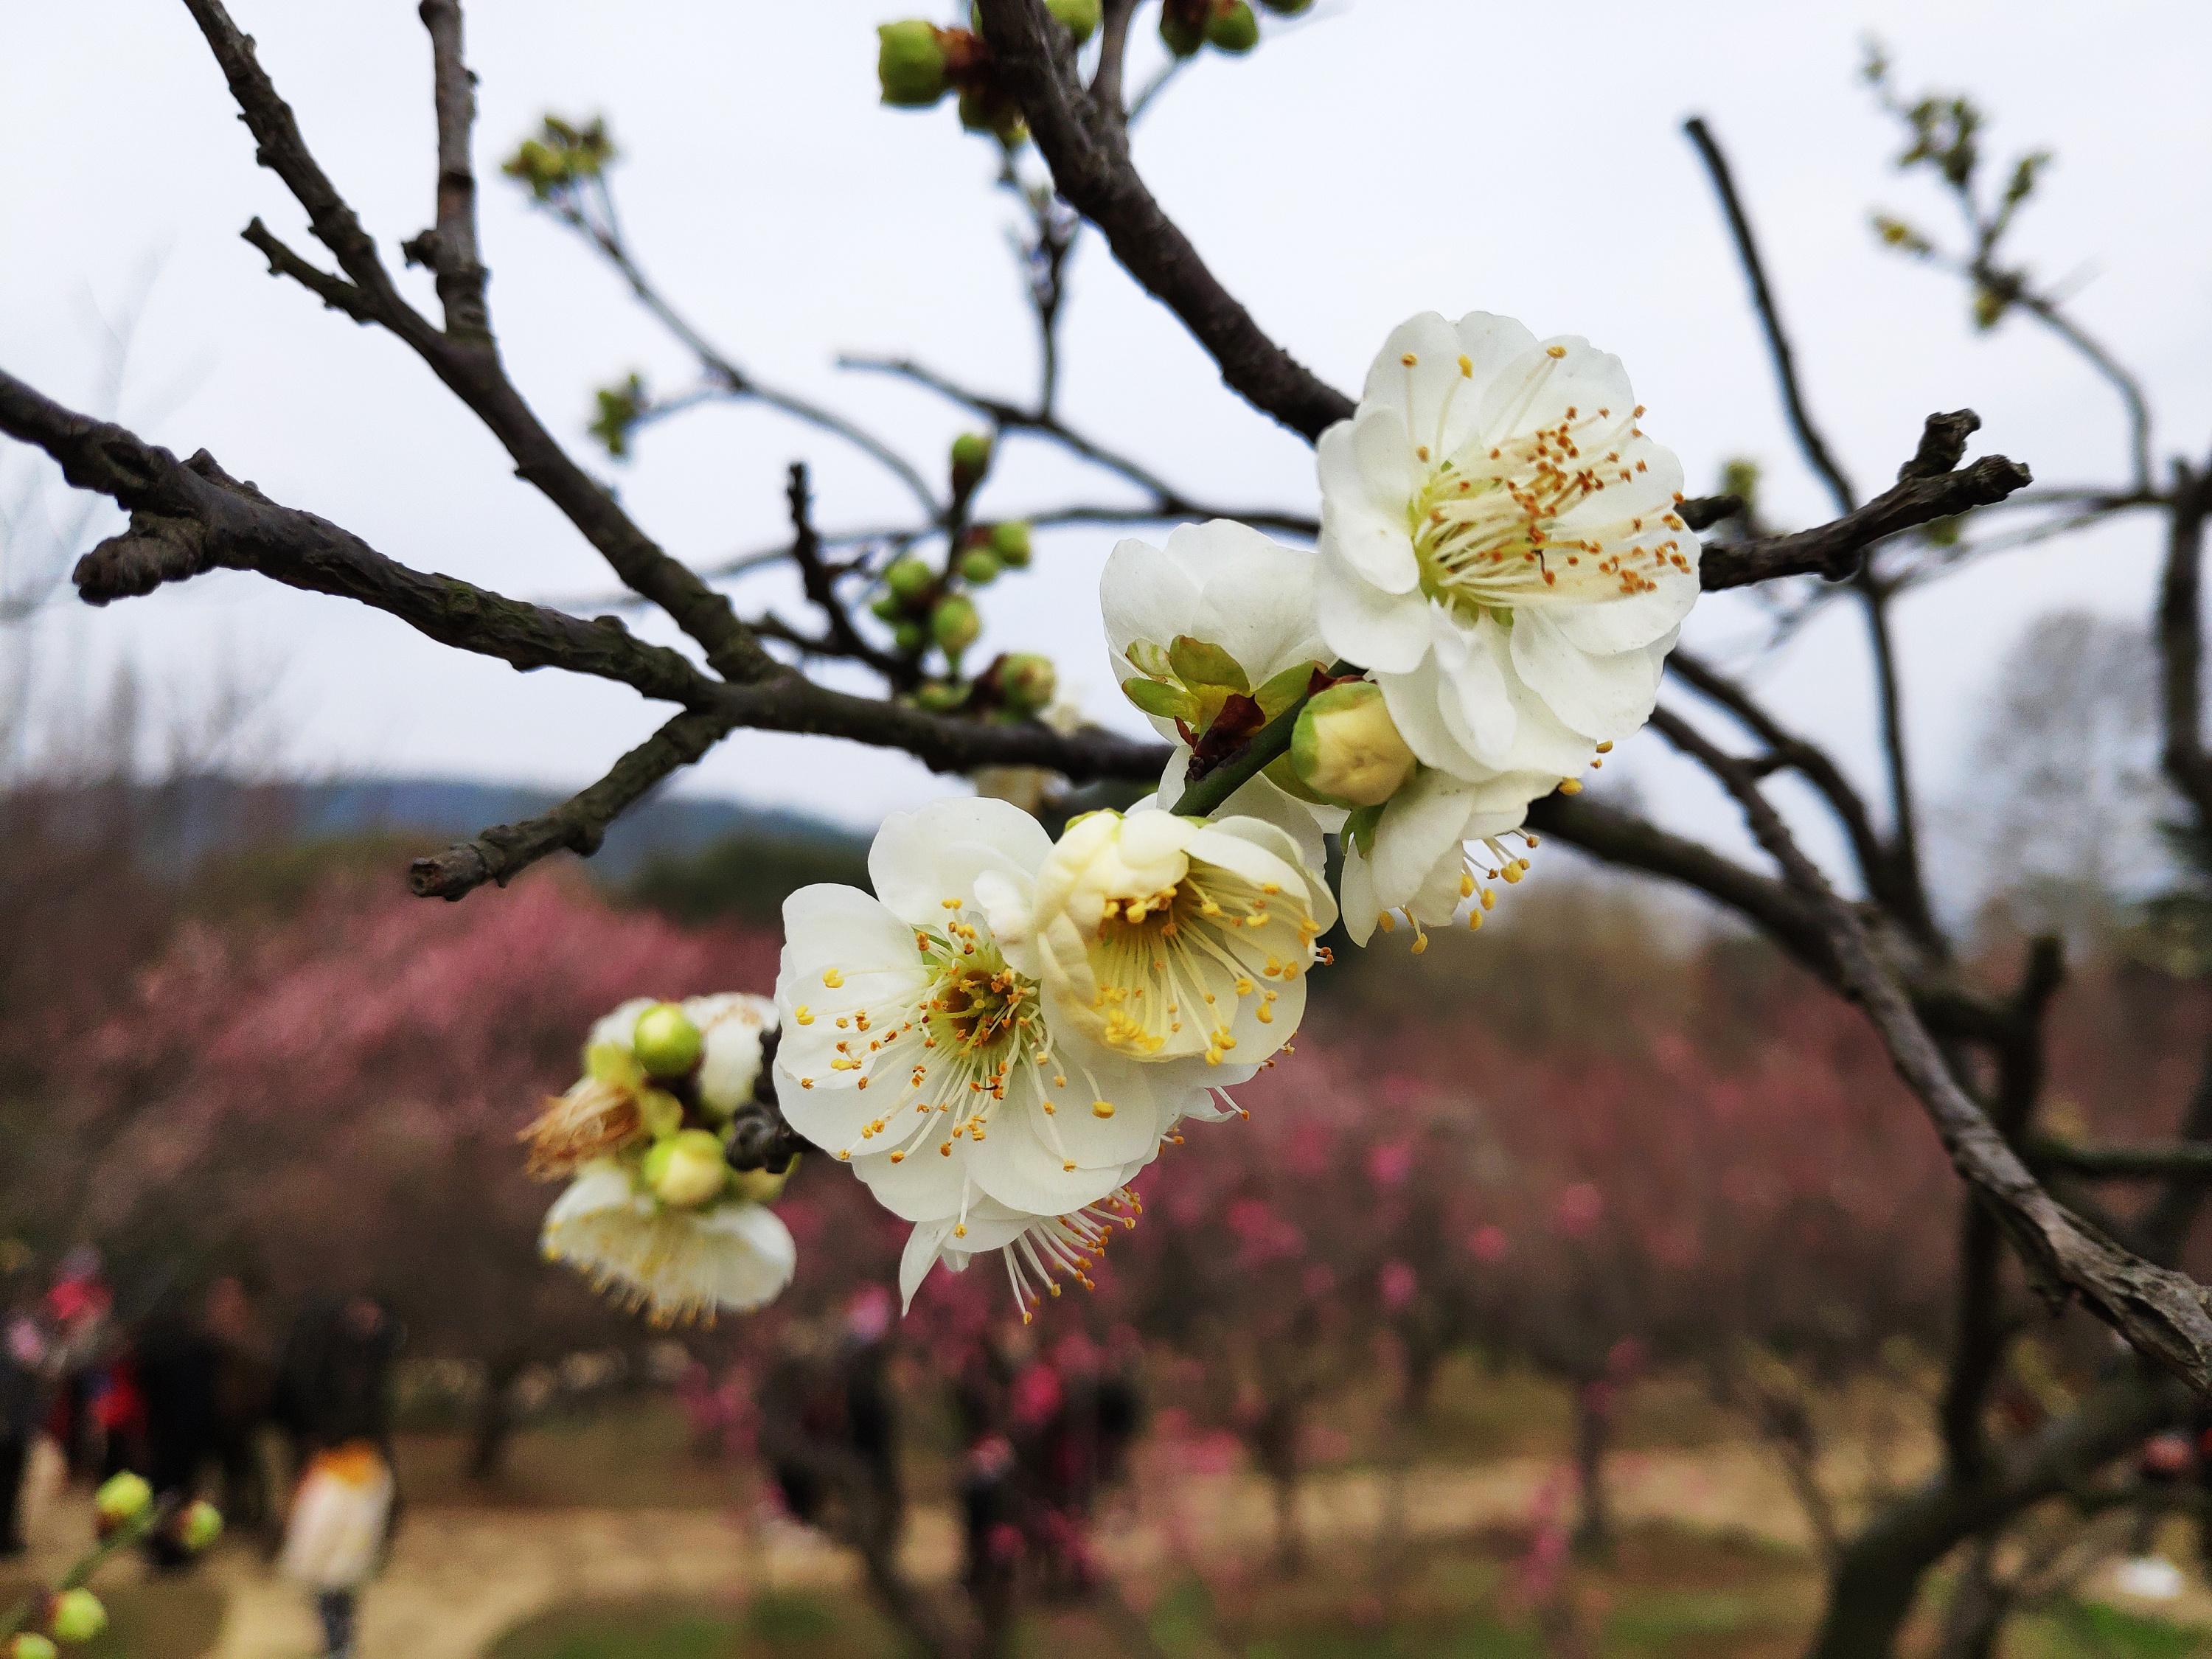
(77, 1616)
(1234, 28)
(1287, 7)
(941, 696)
(199, 1526)
(666, 1043)
(971, 459)
(1011, 542)
(1027, 681)
(979, 567)
(910, 64)
(886, 607)
(687, 1169)
(954, 624)
(31, 1645)
(1183, 33)
(909, 577)
(909, 637)
(758, 1186)
(1080, 18)
(988, 110)
(121, 1499)
(1347, 749)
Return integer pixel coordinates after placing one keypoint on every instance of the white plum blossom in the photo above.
(1181, 943)
(1431, 848)
(1500, 546)
(675, 1263)
(734, 1025)
(918, 1043)
(1221, 611)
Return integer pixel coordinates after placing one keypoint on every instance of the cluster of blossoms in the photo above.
(649, 1140)
(1008, 1029)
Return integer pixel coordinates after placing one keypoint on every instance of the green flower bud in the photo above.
(1234, 28)
(910, 64)
(687, 1169)
(971, 459)
(122, 1498)
(758, 1186)
(199, 1526)
(910, 578)
(1182, 36)
(667, 1043)
(886, 607)
(1028, 681)
(1287, 7)
(659, 1112)
(909, 637)
(1346, 748)
(994, 113)
(979, 567)
(1011, 542)
(30, 1645)
(954, 624)
(77, 1616)
(1080, 18)
(941, 696)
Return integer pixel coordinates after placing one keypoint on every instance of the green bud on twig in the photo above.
(1346, 748)
(1080, 18)
(941, 696)
(909, 637)
(910, 64)
(199, 1525)
(909, 577)
(971, 459)
(954, 625)
(1011, 542)
(687, 1169)
(1234, 28)
(31, 1645)
(979, 567)
(666, 1043)
(121, 1499)
(1027, 682)
(77, 1616)
(1182, 34)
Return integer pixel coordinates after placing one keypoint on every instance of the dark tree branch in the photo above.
(2163, 1314)
(2181, 642)
(1834, 549)
(450, 247)
(2188, 1161)
(1817, 453)
(843, 638)
(469, 366)
(1113, 50)
(1088, 151)
(577, 825)
(335, 291)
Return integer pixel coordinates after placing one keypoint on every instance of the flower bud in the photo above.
(954, 624)
(199, 1526)
(758, 1186)
(1234, 28)
(667, 1043)
(77, 1616)
(1287, 7)
(909, 637)
(31, 1645)
(910, 578)
(910, 64)
(971, 459)
(1080, 18)
(1183, 35)
(979, 567)
(1346, 748)
(1011, 542)
(1027, 682)
(121, 1499)
(886, 607)
(686, 1170)
(941, 696)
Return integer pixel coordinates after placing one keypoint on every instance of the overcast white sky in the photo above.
(1393, 156)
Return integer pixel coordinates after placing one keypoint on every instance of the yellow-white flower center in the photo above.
(1166, 958)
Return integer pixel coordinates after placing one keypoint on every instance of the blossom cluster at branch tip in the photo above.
(1002, 1034)
(654, 1210)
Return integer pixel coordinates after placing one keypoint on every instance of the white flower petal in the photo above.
(912, 865)
(1388, 633)
(1602, 697)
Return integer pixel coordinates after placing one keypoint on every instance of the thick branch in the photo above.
(1088, 151)
(188, 518)
(2181, 642)
(451, 247)
(577, 825)
(2163, 1314)
(1834, 549)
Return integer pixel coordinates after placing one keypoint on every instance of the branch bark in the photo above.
(450, 247)
(1088, 150)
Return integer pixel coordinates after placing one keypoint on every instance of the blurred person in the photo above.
(23, 1386)
(245, 1387)
(78, 1307)
(334, 1397)
(176, 1364)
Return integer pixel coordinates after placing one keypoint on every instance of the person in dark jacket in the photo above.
(23, 1356)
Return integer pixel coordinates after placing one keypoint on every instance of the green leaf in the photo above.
(1197, 663)
(1360, 828)
(1284, 688)
(1168, 702)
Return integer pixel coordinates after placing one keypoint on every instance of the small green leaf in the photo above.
(1359, 829)
(1198, 663)
(1284, 688)
(1168, 702)
(1148, 661)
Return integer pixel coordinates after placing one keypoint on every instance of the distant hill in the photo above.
(214, 815)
